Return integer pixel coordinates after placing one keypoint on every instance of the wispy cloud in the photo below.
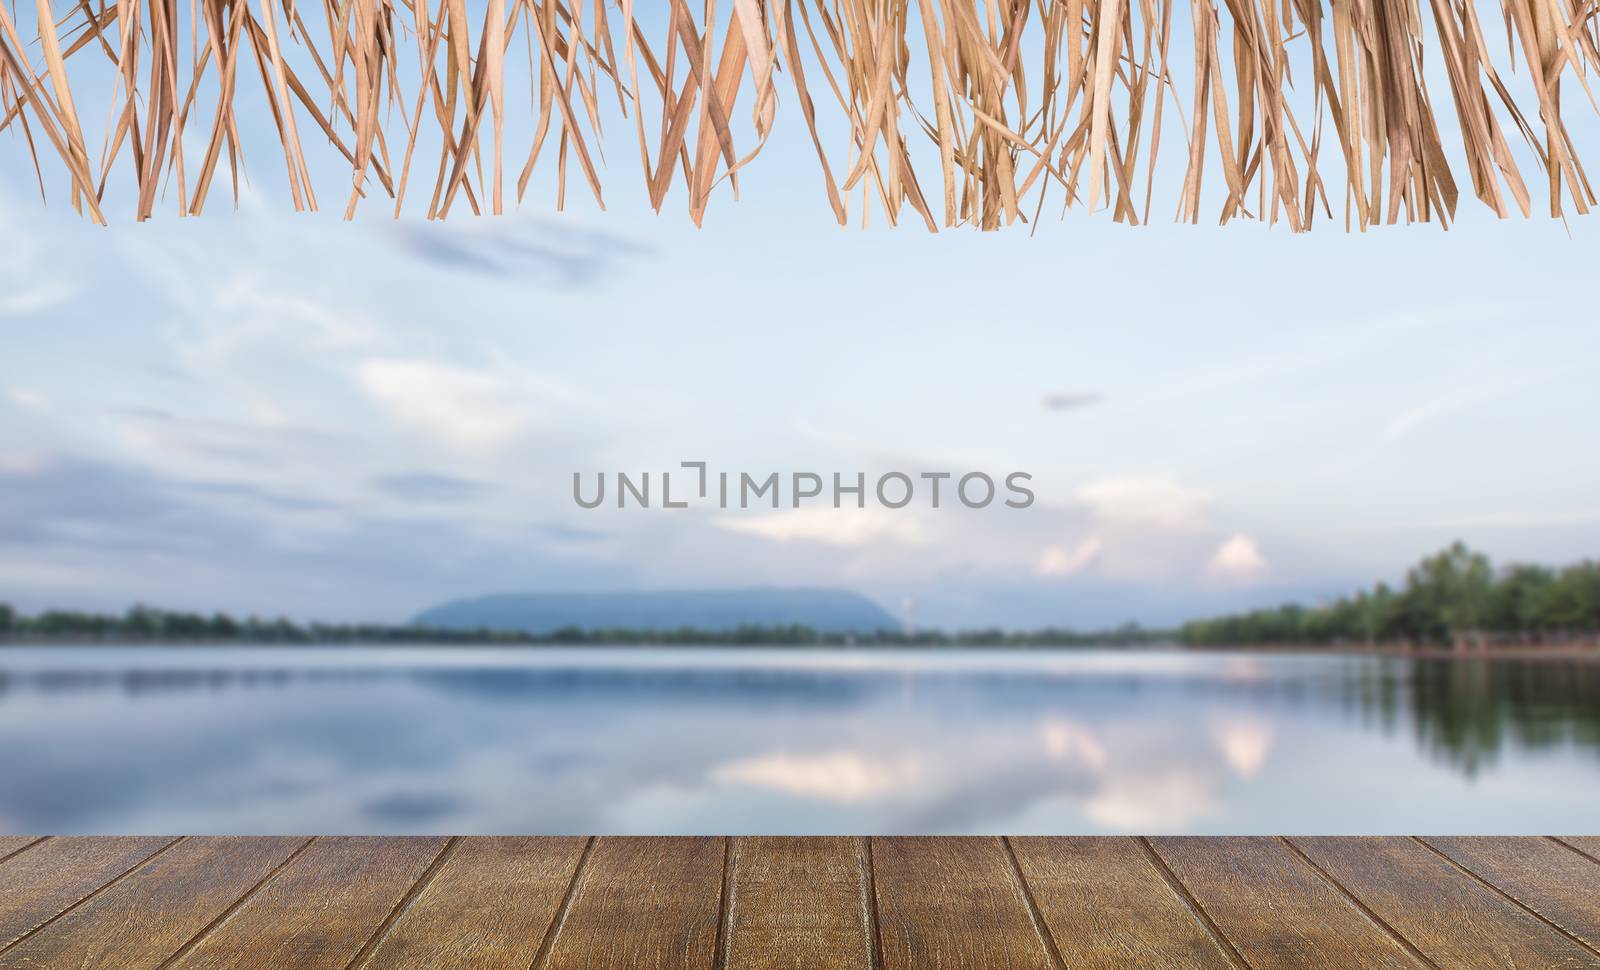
(115, 533)
(1513, 518)
(459, 406)
(26, 301)
(834, 527)
(1145, 500)
(1061, 561)
(1160, 802)
(839, 776)
(427, 487)
(30, 400)
(517, 248)
(1471, 390)
(1071, 400)
(1239, 557)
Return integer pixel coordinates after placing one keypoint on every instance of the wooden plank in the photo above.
(1589, 845)
(1451, 918)
(1276, 910)
(12, 844)
(1545, 876)
(320, 910)
(755, 904)
(945, 902)
(644, 903)
(38, 885)
(490, 905)
(1107, 905)
(799, 902)
(147, 916)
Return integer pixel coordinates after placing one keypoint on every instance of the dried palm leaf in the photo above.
(954, 112)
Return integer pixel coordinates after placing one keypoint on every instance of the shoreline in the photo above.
(1585, 650)
(1582, 650)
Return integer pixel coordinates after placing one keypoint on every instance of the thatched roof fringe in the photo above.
(947, 112)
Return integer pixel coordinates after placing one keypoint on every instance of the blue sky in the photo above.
(264, 412)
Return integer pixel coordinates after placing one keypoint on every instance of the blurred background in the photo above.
(261, 412)
(274, 415)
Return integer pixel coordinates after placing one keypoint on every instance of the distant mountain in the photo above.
(824, 610)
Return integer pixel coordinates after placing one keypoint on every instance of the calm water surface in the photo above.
(725, 741)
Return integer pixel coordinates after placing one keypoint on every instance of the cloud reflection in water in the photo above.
(262, 740)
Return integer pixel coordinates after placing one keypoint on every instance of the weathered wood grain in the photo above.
(791, 903)
(798, 903)
(1446, 914)
(1107, 905)
(643, 904)
(46, 880)
(1547, 877)
(152, 912)
(320, 910)
(11, 844)
(1276, 910)
(490, 905)
(954, 903)
(1589, 845)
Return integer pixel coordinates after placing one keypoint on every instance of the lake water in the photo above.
(746, 741)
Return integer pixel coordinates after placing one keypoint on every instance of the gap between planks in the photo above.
(21, 849)
(1514, 900)
(97, 891)
(404, 903)
(546, 945)
(869, 886)
(1191, 903)
(234, 906)
(1363, 908)
(719, 960)
(1034, 916)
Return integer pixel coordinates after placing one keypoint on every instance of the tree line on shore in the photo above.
(145, 624)
(1454, 598)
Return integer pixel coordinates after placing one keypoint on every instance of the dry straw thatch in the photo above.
(946, 111)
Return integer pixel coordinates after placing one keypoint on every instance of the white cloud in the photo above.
(1060, 561)
(1239, 557)
(462, 407)
(27, 301)
(839, 776)
(249, 313)
(1074, 743)
(1145, 501)
(1164, 802)
(32, 400)
(268, 354)
(1245, 746)
(830, 526)
(23, 462)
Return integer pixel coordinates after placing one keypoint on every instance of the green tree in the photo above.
(8, 618)
(1375, 613)
(1449, 593)
(1520, 599)
(142, 623)
(1573, 603)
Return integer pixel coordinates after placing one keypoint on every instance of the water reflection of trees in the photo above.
(1466, 713)
(154, 682)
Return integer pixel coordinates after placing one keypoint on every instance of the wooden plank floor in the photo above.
(766, 903)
